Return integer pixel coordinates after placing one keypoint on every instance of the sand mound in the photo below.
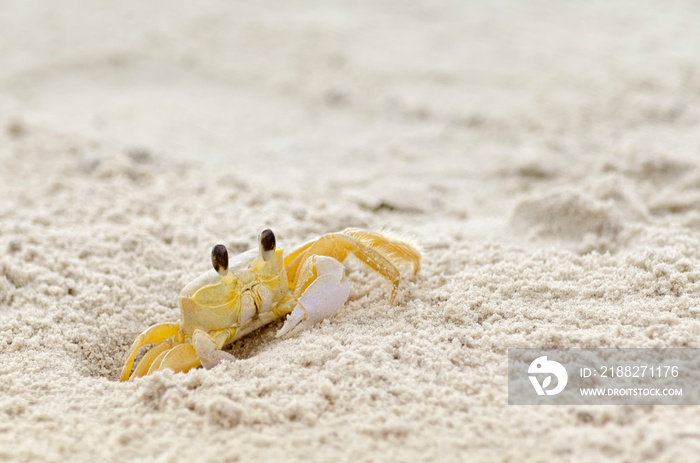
(570, 216)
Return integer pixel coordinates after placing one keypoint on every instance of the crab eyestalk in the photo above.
(267, 244)
(219, 259)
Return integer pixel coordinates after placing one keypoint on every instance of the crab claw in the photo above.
(321, 299)
(208, 351)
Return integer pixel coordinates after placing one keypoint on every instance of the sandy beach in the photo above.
(545, 155)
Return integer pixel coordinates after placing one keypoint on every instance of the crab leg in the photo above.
(203, 350)
(156, 363)
(376, 250)
(182, 357)
(150, 356)
(152, 335)
(322, 296)
(397, 251)
(338, 246)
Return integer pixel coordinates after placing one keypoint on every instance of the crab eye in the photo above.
(267, 244)
(219, 259)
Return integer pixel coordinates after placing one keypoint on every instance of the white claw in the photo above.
(207, 351)
(293, 319)
(321, 300)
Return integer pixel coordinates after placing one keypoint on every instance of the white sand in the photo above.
(545, 156)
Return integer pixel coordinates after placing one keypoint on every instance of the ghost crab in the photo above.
(259, 286)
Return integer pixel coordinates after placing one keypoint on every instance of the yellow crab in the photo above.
(256, 287)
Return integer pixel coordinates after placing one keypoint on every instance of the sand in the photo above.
(544, 154)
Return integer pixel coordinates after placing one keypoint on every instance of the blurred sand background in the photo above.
(545, 154)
